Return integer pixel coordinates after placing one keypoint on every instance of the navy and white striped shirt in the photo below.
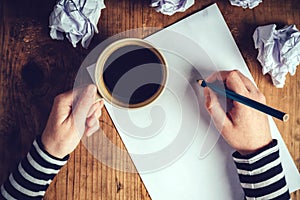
(33, 175)
(260, 174)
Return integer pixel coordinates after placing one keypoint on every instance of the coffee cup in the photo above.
(131, 73)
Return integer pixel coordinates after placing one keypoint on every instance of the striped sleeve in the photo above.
(261, 174)
(33, 175)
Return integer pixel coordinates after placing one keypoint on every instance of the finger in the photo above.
(93, 129)
(214, 77)
(82, 107)
(101, 103)
(96, 108)
(216, 111)
(207, 97)
(235, 83)
(232, 80)
(220, 75)
(98, 112)
(91, 121)
(85, 101)
(93, 108)
(62, 105)
(224, 75)
(247, 82)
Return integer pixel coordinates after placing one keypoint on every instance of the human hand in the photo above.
(244, 128)
(67, 124)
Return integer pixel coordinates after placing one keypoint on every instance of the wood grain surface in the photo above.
(35, 68)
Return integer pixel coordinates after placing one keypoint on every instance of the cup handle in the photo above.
(98, 97)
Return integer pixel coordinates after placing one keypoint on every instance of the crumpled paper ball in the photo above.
(278, 51)
(76, 19)
(170, 7)
(245, 3)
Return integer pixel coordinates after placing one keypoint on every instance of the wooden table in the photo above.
(35, 68)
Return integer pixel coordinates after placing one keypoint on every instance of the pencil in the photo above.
(244, 100)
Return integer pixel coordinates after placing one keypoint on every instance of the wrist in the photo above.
(251, 153)
(256, 145)
(51, 150)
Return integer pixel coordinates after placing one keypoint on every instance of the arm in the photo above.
(247, 130)
(261, 174)
(33, 175)
(65, 127)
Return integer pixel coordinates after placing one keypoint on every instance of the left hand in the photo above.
(66, 125)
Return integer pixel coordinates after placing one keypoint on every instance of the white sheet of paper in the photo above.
(172, 142)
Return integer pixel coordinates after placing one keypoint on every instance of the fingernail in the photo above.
(99, 100)
(208, 101)
(101, 103)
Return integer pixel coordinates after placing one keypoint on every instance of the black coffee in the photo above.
(133, 74)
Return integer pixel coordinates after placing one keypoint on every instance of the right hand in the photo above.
(245, 129)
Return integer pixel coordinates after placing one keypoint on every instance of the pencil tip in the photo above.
(202, 82)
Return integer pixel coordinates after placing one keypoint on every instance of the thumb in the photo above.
(82, 107)
(215, 110)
